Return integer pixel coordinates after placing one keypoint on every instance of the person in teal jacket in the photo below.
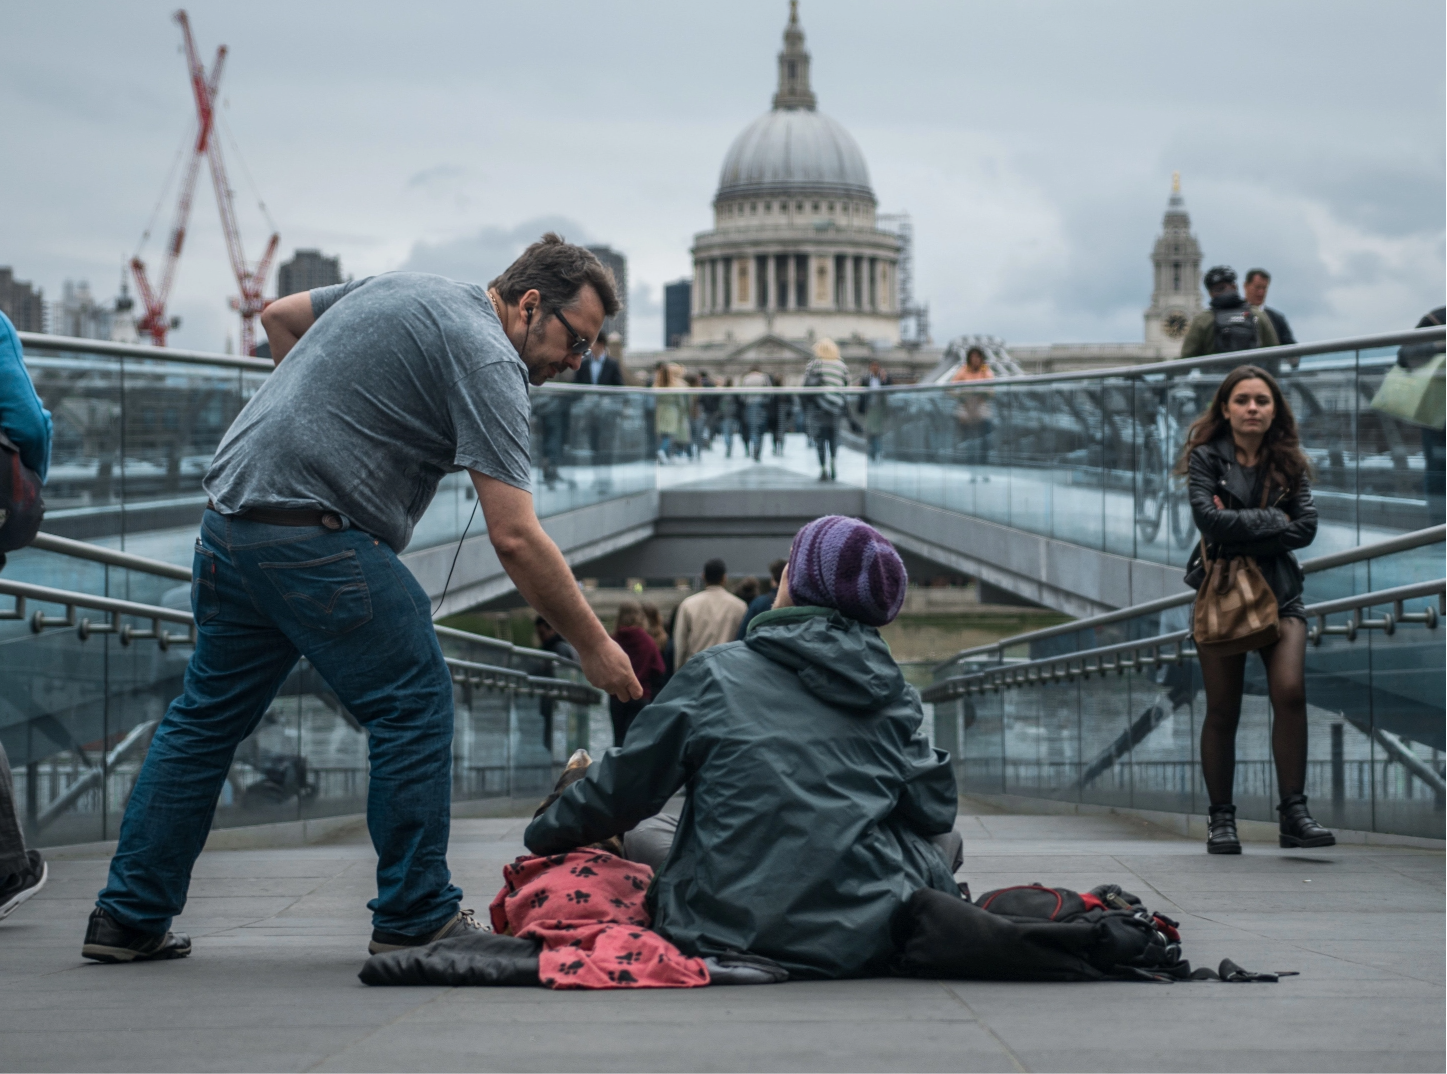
(813, 798)
(22, 417)
(26, 424)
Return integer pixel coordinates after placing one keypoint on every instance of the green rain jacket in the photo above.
(811, 792)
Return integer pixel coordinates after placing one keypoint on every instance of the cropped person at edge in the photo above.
(382, 386)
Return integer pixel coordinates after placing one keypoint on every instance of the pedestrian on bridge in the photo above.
(1250, 495)
(1230, 324)
(383, 385)
(827, 370)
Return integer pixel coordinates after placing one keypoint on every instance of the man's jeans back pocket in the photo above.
(205, 603)
(328, 594)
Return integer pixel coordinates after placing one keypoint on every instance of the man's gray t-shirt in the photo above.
(404, 377)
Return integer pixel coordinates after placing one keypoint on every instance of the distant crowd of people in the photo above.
(686, 425)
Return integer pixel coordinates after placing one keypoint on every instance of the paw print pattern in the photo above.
(596, 930)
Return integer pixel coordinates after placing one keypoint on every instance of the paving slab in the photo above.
(280, 935)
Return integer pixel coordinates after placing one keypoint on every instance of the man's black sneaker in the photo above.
(17, 887)
(461, 924)
(107, 940)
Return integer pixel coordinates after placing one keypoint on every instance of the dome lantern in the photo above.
(794, 90)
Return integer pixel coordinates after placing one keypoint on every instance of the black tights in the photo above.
(1285, 677)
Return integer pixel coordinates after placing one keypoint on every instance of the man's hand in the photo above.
(538, 569)
(286, 321)
(608, 668)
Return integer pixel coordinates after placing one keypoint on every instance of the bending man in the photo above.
(383, 385)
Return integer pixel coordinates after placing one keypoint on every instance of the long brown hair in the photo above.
(1281, 452)
(630, 613)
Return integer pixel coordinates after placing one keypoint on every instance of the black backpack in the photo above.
(1235, 330)
(21, 506)
(1035, 933)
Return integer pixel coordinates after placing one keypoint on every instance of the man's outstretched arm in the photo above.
(631, 783)
(542, 576)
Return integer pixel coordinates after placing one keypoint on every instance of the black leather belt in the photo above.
(289, 516)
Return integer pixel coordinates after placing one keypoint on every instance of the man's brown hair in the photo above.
(557, 270)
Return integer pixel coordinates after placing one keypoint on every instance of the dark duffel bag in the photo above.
(1035, 933)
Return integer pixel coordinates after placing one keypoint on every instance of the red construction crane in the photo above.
(249, 281)
(155, 321)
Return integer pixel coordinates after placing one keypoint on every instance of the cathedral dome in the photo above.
(794, 150)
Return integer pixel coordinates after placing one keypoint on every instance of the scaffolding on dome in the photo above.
(913, 317)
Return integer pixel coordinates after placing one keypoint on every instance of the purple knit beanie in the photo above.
(839, 562)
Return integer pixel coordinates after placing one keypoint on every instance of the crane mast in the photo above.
(154, 322)
(250, 281)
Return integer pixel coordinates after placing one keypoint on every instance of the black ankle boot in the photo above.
(1221, 837)
(1297, 827)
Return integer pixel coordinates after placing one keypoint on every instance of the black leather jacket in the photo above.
(1268, 533)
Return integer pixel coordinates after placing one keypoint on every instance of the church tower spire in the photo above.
(1176, 265)
(794, 91)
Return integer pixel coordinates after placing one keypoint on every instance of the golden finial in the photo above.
(1175, 182)
(793, 12)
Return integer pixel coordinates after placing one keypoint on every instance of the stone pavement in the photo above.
(280, 934)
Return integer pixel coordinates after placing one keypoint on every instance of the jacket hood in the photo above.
(840, 661)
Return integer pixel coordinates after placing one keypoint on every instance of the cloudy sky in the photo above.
(1033, 142)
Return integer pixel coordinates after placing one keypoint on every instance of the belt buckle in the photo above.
(331, 520)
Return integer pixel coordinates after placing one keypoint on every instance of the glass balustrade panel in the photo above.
(77, 716)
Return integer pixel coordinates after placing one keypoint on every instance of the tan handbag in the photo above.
(1235, 610)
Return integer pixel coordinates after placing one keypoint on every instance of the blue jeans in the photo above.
(265, 596)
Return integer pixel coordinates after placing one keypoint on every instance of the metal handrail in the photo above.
(1175, 365)
(1399, 543)
(140, 350)
(1171, 366)
(1147, 652)
(521, 651)
(65, 546)
(39, 621)
(475, 672)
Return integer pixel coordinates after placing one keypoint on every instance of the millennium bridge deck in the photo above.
(280, 934)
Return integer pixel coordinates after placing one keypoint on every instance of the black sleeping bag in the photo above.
(476, 958)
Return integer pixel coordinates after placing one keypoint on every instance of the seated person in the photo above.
(812, 793)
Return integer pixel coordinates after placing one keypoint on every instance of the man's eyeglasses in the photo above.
(581, 344)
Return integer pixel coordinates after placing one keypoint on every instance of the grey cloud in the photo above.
(440, 175)
(1310, 134)
(479, 257)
